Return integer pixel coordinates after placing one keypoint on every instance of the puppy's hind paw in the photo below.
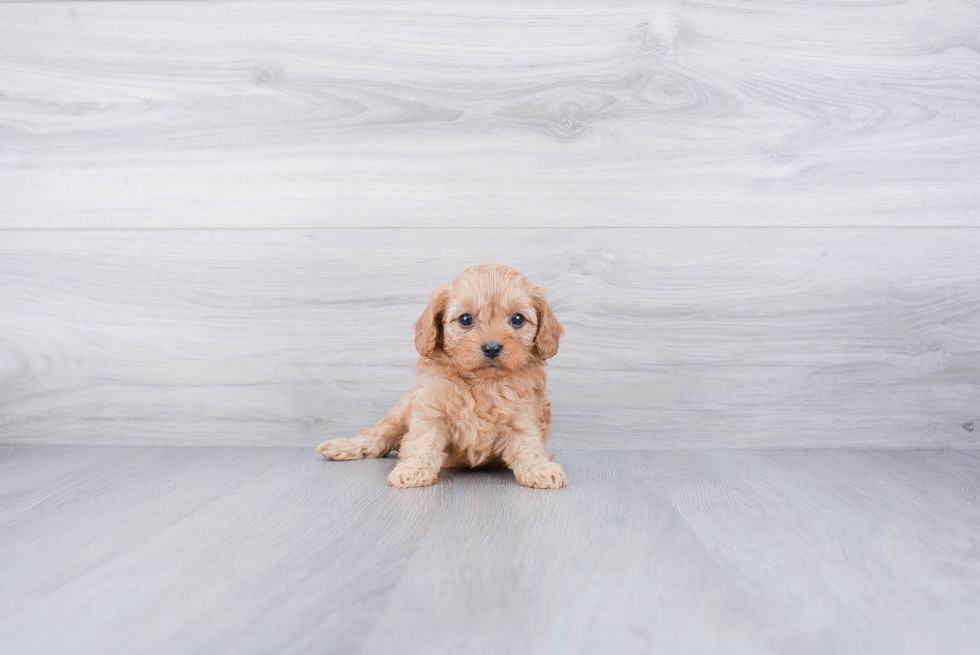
(543, 475)
(407, 475)
(341, 449)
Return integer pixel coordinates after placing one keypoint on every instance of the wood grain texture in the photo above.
(304, 113)
(736, 338)
(203, 550)
(166, 540)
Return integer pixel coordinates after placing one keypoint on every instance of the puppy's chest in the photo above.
(481, 418)
(484, 411)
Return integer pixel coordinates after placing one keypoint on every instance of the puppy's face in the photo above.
(489, 321)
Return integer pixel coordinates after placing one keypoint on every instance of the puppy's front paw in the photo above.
(543, 475)
(342, 449)
(409, 475)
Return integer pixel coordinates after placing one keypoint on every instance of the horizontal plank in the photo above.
(820, 337)
(303, 113)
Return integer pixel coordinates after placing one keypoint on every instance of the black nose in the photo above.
(491, 349)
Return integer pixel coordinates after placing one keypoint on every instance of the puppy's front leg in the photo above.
(420, 455)
(524, 454)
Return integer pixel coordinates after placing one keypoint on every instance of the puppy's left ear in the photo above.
(428, 329)
(549, 330)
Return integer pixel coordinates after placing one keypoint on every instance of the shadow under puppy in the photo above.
(481, 395)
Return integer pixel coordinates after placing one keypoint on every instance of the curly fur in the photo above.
(467, 409)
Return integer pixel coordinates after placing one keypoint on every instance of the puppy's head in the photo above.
(489, 321)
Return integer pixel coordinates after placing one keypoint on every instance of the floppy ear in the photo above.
(428, 329)
(549, 330)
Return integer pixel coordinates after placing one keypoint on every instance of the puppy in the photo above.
(481, 396)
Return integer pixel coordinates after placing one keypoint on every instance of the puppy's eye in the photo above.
(466, 320)
(517, 320)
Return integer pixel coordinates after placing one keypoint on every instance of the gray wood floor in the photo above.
(261, 550)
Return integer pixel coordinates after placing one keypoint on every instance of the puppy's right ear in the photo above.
(428, 329)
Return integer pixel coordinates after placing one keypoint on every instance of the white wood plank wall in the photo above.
(760, 221)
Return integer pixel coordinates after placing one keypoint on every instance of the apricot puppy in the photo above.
(481, 395)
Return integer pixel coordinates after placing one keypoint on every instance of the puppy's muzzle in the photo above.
(492, 349)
